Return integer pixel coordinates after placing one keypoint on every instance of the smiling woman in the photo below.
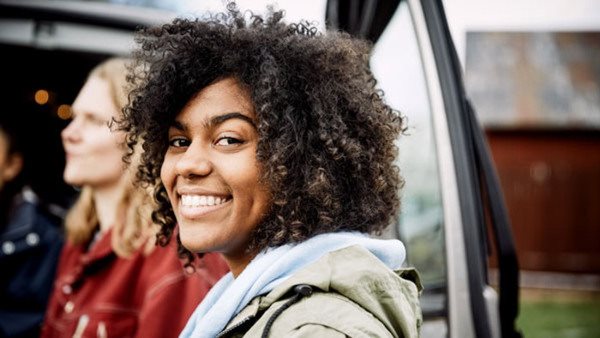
(280, 156)
(211, 174)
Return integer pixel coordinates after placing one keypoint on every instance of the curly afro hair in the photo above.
(326, 137)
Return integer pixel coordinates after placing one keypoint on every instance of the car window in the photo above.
(397, 65)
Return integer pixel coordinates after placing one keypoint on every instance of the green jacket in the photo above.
(354, 295)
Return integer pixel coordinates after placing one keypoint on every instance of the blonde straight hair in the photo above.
(133, 229)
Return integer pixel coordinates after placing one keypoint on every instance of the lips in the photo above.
(70, 153)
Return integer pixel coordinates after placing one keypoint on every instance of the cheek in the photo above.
(241, 174)
(264, 200)
(167, 175)
(256, 195)
(105, 143)
(118, 136)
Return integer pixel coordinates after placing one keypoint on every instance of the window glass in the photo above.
(397, 65)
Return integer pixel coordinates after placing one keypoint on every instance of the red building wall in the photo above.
(551, 184)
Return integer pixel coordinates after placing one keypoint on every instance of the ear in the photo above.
(14, 164)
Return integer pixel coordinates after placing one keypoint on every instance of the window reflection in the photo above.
(396, 63)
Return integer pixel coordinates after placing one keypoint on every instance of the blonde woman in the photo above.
(112, 280)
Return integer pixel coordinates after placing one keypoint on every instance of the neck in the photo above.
(106, 202)
(237, 263)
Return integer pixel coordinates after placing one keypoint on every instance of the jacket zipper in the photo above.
(231, 329)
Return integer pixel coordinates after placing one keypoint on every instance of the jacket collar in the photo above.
(356, 274)
(99, 248)
(90, 261)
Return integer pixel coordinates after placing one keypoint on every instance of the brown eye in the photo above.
(226, 141)
(179, 142)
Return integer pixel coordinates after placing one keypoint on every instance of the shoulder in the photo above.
(163, 270)
(28, 227)
(30, 246)
(160, 268)
(323, 314)
(355, 295)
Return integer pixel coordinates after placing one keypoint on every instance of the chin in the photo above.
(193, 246)
(188, 242)
(72, 181)
(70, 175)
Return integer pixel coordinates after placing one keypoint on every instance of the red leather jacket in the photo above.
(98, 294)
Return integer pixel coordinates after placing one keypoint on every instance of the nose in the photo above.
(71, 132)
(195, 162)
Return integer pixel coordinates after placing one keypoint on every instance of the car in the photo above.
(453, 217)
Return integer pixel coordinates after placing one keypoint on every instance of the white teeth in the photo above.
(201, 201)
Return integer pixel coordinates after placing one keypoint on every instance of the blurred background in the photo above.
(532, 72)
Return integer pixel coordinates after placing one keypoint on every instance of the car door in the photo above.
(470, 192)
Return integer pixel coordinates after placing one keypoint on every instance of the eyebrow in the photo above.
(216, 120)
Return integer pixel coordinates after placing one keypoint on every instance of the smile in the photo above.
(195, 206)
(202, 200)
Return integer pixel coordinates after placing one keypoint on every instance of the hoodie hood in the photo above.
(356, 274)
(269, 269)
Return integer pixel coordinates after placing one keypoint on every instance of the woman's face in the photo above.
(93, 152)
(211, 173)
